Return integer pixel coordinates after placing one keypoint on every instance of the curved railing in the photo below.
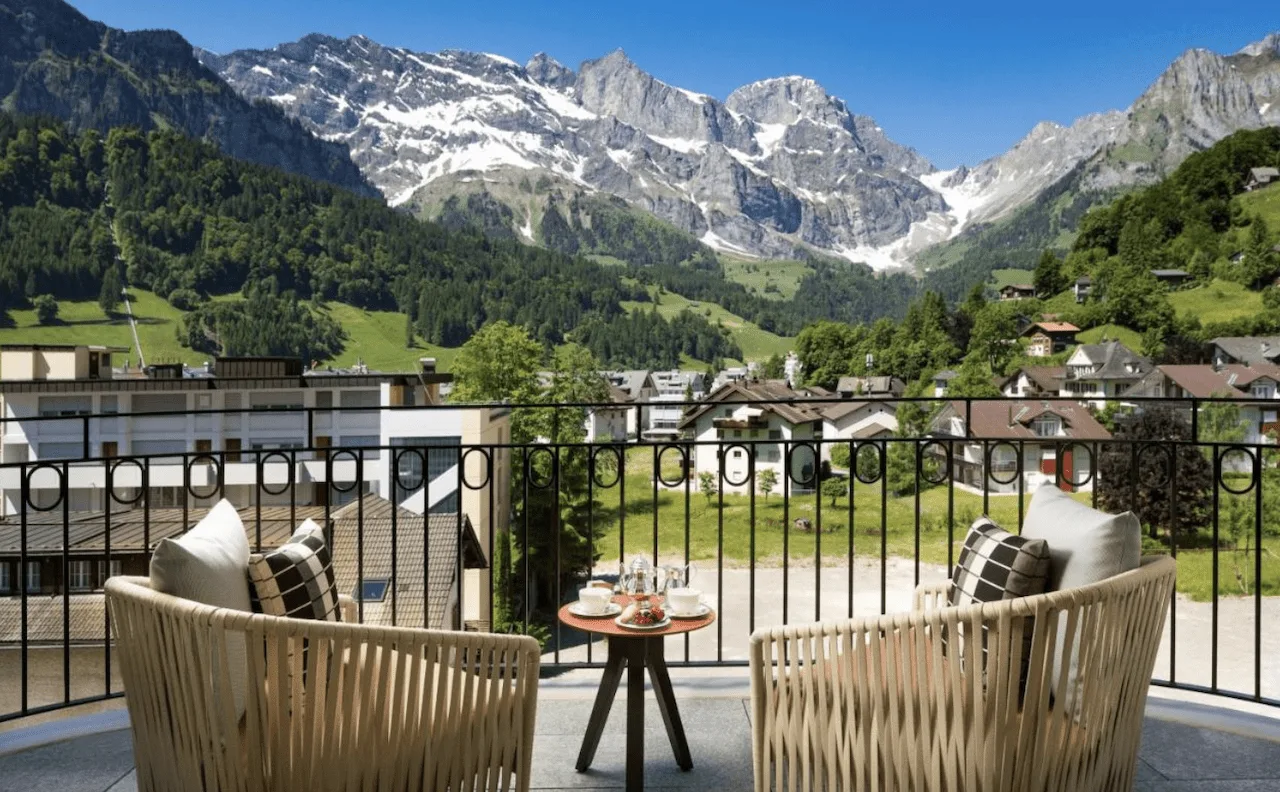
(782, 521)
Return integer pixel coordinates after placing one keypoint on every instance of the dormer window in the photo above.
(1046, 426)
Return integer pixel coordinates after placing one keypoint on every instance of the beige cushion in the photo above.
(209, 564)
(1085, 546)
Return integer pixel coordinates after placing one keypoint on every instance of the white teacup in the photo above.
(684, 601)
(594, 599)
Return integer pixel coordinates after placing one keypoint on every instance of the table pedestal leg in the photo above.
(655, 659)
(604, 702)
(636, 655)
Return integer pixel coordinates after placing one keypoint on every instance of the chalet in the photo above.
(1257, 387)
(1248, 350)
(1082, 287)
(942, 381)
(884, 387)
(1049, 338)
(858, 420)
(1029, 381)
(1098, 372)
(763, 425)
(1017, 291)
(611, 423)
(1261, 177)
(1019, 443)
(639, 388)
(1173, 278)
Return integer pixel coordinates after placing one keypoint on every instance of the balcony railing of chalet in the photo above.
(510, 530)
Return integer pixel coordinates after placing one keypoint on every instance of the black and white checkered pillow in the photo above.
(296, 579)
(996, 565)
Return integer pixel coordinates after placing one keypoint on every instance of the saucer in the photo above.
(612, 609)
(666, 622)
(701, 612)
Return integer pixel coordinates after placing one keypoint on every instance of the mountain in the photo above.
(780, 166)
(1032, 197)
(54, 61)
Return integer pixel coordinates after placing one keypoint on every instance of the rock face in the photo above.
(1201, 98)
(54, 61)
(779, 166)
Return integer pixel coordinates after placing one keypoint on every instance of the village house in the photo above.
(610, 424)
(882, 387)
(1029, 381)
(1026, 443)
(1261, 177)
(1173, 278)
(1248, 350)
(1049, 338)
(1017, 291)
(1257, 387)
(942, 381)
(768, 420)
(1082, 287)
(1098, 372)
(639, 388)
(675, 387)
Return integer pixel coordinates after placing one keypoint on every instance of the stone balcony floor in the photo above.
(1220, 746)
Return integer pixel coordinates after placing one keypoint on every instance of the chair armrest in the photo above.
(931, 596)
(349, 610)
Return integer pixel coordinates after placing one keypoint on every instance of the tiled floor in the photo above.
(1175, 756)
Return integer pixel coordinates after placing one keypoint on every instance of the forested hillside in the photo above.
(190, 224)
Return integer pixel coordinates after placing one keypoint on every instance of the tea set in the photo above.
(644, 583)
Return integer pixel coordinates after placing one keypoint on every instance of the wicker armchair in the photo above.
(908, 701)
(329, 706)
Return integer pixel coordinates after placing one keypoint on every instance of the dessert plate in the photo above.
(702, 612)
(666, 621)
(612, 609)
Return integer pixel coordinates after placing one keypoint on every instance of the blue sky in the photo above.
(958, 81)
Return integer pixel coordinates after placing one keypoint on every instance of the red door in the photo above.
(1068, 472)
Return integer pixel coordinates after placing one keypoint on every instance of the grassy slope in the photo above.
(1218, 301)
(1264, 202)
(786, 275)
(377, 337)
(1130, 338)
(85, 323)
(756, 344)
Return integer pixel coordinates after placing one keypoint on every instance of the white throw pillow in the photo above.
(1085, 546)
(210, 564)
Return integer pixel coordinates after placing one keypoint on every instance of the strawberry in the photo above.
(658, 614)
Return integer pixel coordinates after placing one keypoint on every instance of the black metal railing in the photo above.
(496, 535)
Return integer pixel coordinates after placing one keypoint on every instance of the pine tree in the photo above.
(1048, 278)
(109, 295)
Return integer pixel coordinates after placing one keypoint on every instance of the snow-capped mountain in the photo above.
(778, 165)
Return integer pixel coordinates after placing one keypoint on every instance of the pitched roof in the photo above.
(405, 593)
(630, 381)
(86, 618)
(1115, 359)
(776, 396)
(1046, 378)
(1259, 173)
(868, 385)
(1012, 419)
(140, 530)
(1055, 327)
(1170, 273)
(1202, 380)
(1249, 349)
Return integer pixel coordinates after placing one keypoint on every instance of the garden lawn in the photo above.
(1217, 301)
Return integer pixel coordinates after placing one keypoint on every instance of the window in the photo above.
(81, 580)
(775, 434)
(6, 585)
(728, 412)
(65, 405)
(61, 451)
(1261, 390)
(110, 405)
(361, 398)
(109, 569)
(204, 401)
(372, 590)
(33, 577)
(324, 399)
(737, 433)
(360, 441)
(110, 449)
(159, 402)
(1046, 427)
(287, 400)
(737, 453)
(439, 460)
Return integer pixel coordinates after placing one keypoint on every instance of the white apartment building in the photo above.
(673, 387)
(67, 412)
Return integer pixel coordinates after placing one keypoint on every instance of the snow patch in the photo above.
(263, 70)
(963, 200)
(746, 161)
(560, 104)
(697, 97)
(284, 98)
(500, 59)
(683, 145)
(716, 242)
(482, 156)
(526, 230)
(1263, 109)
(768, 136)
